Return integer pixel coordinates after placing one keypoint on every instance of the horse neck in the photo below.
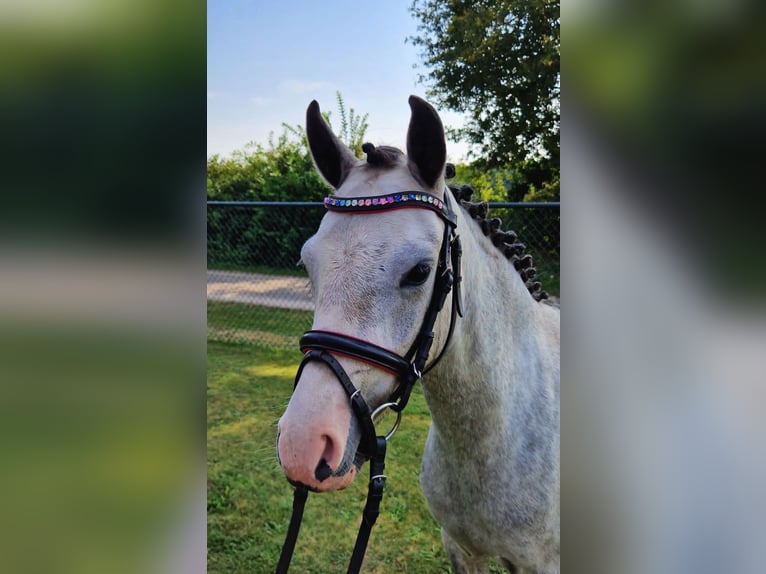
(472, 390)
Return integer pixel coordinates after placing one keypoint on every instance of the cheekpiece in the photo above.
(416, 199)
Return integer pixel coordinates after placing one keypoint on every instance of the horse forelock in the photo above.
(384, 159)
(382, 156)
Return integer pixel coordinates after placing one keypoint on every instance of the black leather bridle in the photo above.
(321, 346)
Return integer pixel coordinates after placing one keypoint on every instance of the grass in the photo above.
(249, 500)
(271, 326)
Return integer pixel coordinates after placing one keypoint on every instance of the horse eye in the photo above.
(417, 275)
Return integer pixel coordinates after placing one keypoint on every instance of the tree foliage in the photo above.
(499, 61)
(487, 184)
(279, 171)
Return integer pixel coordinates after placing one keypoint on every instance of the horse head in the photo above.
(372, 275)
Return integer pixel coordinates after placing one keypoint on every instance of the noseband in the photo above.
(321, 346)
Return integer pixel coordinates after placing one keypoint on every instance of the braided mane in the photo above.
(506, 241)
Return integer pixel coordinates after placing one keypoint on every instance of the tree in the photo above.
(499, 61)
(487, 184)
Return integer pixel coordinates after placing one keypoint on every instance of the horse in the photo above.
(490, 469)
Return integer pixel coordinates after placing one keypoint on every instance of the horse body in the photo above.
(490, 471)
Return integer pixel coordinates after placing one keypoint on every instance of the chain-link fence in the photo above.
(257, 293)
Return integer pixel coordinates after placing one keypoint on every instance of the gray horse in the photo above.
(490, 470)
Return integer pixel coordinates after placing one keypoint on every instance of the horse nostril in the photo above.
(323, 470)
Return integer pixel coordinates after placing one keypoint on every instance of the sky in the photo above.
(268, 60)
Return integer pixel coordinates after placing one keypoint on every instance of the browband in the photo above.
(416, 199)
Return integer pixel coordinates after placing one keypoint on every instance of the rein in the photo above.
(320, 346)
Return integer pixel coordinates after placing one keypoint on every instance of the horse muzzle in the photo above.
(300, 469)
(317, 438)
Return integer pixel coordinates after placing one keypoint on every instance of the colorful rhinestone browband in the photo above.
(380, 202)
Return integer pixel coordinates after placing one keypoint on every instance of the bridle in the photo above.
(321, 346)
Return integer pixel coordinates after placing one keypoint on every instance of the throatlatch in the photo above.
(319, 346)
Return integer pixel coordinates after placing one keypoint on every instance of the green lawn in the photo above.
(249, 500)
(269, 326)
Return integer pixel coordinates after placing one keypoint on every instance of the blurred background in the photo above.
(663, 260)
(102, 108)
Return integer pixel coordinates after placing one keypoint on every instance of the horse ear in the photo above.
(426, 148)
(333, 159)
